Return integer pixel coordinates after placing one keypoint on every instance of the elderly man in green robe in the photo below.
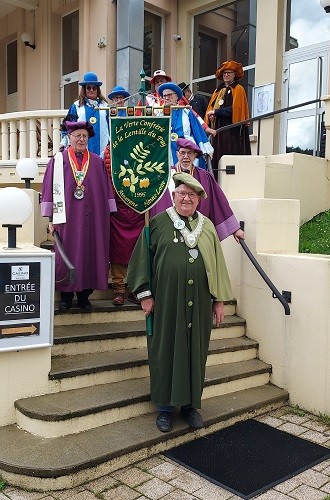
(187, 289)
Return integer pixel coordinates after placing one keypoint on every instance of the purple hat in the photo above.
(172, 86)
(185, 143)
(72, 126)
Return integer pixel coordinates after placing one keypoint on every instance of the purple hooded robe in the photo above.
(86, 234)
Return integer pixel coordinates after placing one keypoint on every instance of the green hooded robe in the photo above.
(184, 283)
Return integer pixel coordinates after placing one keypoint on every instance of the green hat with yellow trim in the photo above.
(189, 180)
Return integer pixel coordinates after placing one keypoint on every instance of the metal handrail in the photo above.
(276, 293)
(265, 115)
(65, 258)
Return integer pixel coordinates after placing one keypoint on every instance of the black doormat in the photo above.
(248, 457)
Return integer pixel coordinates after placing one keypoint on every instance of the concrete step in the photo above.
(83, 370)
(30, 461)
(74, 411)
(105, 312)
(114, 336)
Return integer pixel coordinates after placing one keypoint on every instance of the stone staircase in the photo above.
(98, 416)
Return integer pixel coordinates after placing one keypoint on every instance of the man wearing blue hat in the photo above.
(85, 109)
(184, 122)
(118, 97)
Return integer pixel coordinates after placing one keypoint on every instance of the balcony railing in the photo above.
(30, 134)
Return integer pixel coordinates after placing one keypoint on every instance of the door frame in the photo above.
(321, 52)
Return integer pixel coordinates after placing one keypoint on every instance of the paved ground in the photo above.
(159, 478)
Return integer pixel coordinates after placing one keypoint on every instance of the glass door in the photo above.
(70, 59)
(305, 79)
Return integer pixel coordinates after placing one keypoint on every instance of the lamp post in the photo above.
(326, 5)
(27, 169)
(15, 209)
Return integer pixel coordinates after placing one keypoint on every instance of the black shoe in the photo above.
(192, 417)
(64, 306)
(131, 297)
(86, 305)
(164, 421)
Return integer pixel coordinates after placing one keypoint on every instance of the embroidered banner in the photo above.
(140, 159)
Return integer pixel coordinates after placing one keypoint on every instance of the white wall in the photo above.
(297, 346)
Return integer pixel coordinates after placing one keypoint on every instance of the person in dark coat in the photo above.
(198, 102)
(228, 104)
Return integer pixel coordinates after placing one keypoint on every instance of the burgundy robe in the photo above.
(215, 206)
(126, 226)
(86, 234)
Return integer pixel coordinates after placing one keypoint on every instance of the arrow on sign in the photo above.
(20, 329)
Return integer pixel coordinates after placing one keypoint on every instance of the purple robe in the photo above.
(86, 234)
(215, 206)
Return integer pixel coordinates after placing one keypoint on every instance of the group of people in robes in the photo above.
(189, 277)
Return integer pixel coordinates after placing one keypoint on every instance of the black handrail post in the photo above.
(264, 276)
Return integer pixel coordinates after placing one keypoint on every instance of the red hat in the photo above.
(160, 72)
(232, 66)
(72, 126)
(185, 143)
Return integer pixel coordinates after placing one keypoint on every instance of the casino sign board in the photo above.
(26, 301)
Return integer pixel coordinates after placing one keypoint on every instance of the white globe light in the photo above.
(15, 206)
(326, 5)
(27, 168)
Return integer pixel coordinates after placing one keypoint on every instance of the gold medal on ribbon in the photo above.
(93, 120)
(174, 136)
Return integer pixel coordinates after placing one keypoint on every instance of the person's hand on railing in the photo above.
(211, 131)
(239, 235)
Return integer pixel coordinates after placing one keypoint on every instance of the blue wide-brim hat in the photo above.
(118, 90)
(171, 86)
(90, 79)
(73, 126)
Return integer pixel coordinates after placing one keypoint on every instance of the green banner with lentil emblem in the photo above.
(140, 159)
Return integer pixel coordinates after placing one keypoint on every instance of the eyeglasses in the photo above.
(183, 194)
(91, 87)
(228, 73)
(187, 153)
(166, 96)
(80, 137)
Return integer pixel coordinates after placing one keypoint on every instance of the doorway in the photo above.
(305, 79)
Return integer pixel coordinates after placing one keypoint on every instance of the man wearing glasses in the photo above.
(84, 109)
(77, 197)
(188, 287)
(215, 206)
(184, 123)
